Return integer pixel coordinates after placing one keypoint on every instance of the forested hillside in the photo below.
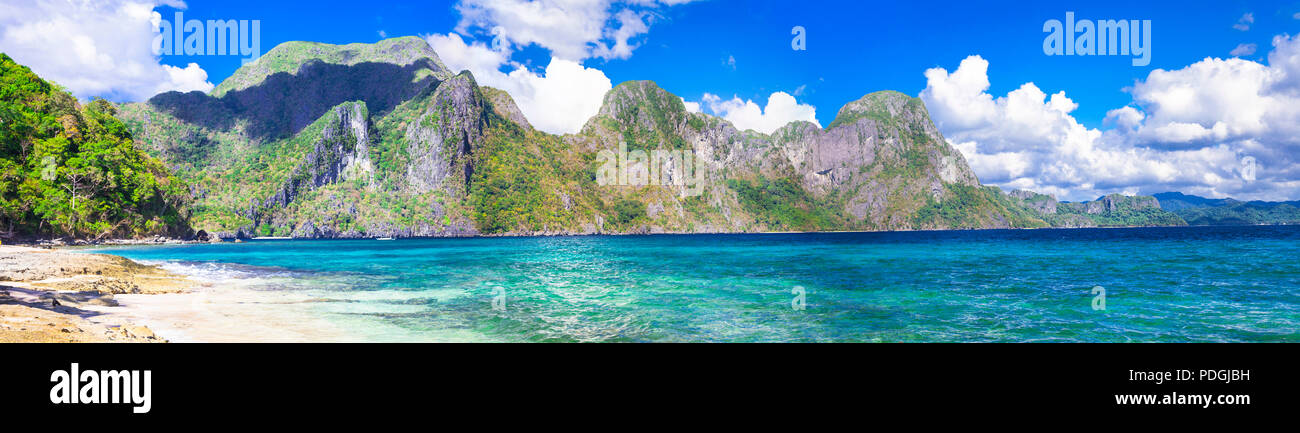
(68, 169)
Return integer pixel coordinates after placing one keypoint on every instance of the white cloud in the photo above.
(1188, 130)
(691, 107)
(1127, 118)
(558, 101)
(631, 24)
(563, 99)
(474, 56)
(1244, 22)
(781, 109)
(1243, 50)
(570, 29)
(101, 48)
(1217, 99)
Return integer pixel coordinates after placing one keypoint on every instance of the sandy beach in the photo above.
(59, 296)
(106, 298)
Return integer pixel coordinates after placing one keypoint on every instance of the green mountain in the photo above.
(1205, 211)
(68, 169)
(314, 135)
(1113, 210)
(1176, 201)
(361, 140)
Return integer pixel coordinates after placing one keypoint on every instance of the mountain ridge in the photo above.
(288, 57)
(450, 158)
(1227, 211)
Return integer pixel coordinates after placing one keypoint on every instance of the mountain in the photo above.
(1113, 210)
(1227, 211)
(315, 138)
(68, 169)
(884, 166)
(361, 140)
(1176, 201)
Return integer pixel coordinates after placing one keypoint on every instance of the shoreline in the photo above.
(47, 295)
(61, 243)
(55, 244)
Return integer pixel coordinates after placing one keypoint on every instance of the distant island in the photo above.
(1200, 211)
(382, 140)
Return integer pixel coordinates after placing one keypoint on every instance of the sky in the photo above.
(1216, 112)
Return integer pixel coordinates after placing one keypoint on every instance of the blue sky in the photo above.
(854, 47)
(1215, 113)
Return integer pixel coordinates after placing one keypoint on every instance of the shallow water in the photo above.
(1161, 284)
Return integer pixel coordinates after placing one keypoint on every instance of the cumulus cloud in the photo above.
(570, 29)
(558, 101)
(780, 110)
(1187, 130)
(1243, 50)
(1226, 100)
(100, 48)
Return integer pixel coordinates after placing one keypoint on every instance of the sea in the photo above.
(1171, 284)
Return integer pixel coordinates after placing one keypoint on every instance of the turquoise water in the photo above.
(1161, 284)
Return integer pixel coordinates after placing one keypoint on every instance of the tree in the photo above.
(68, 169)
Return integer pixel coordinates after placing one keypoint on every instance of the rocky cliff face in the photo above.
(1041, 203)
(441, 140)
(879, 163)
(1114, 203)
(341, 153)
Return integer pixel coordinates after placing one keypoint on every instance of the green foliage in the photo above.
(518, 178)
(648, 116)
(288, 57)
(68, 170)
(782, 204)
(697, 123)
(913, 165)
(627, 211)
(1239, 213)
(969, 207)
(872, 107)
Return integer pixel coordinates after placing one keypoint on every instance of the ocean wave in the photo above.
(227, 273)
